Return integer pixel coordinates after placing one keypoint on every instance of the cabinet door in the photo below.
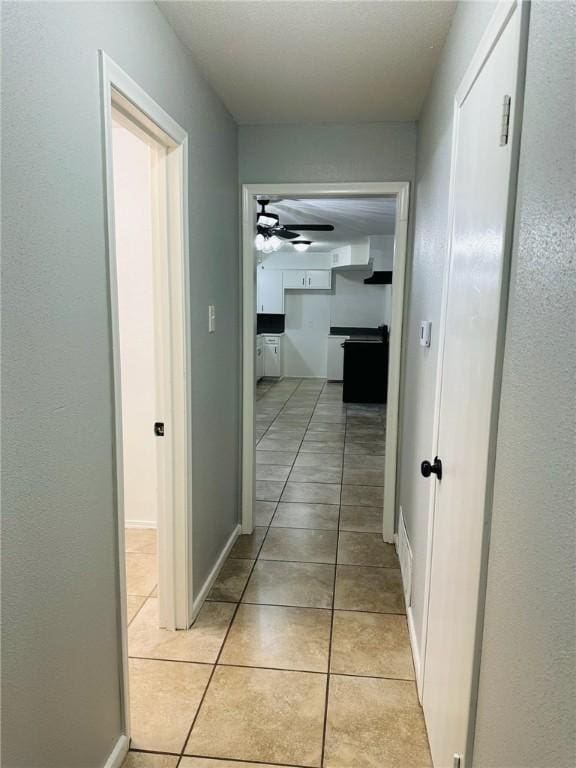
(294, 278)
(319, 278)
(270, 292)
(335, 365)
(272, 360)
(259, 359)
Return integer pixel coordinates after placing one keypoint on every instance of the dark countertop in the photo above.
(344, 330)
(373, 339)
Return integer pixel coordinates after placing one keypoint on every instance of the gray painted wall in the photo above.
(527, 681)
(60, 642)
(429, 257)
(330, 153)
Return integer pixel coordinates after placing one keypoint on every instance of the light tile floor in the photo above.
(300, 656)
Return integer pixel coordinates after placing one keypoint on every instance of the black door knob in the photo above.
(435, 468)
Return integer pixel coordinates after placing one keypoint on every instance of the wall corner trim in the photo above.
(213, 575)
(118, 753)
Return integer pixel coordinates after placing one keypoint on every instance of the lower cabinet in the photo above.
(273, 356)
(335, 358)
(259, 358)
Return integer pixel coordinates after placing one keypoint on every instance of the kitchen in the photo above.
(323, 301)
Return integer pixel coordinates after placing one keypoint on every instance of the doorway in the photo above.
(145, 154)
(399, 193)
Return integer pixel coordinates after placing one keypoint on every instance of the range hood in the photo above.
(379, 277)
(381, 259)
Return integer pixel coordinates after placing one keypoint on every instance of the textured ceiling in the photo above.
(353, 218)
(292, 61)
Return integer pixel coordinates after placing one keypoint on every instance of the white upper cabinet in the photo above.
(319, 278)
(294, 278)
(355, 256)
(270, 292)
(310, 279)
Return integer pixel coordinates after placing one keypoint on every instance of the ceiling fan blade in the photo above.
(285, 233)
(313, 227)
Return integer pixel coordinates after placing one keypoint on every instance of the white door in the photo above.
(319, 278)
(476, 289)
(294, 278)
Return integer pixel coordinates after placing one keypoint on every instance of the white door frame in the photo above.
(500, 18)
(401, 190)
(172, 324)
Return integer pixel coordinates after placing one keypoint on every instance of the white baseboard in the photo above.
(118, 753)
(413, 638)
(212, 576)
(140, 524)
(415, 652)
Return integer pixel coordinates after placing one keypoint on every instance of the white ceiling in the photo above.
(292, 61)
(353, 218)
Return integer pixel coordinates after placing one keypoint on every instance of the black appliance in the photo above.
(366, 369)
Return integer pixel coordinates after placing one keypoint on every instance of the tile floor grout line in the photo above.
(211, 676)
(291, 468)
(274, 669)
(250, 762)
(139, 750)
(314, 607)
(219, 654)
(315, 562)
(327, 699)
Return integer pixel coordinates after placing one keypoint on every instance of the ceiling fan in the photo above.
(271, 232)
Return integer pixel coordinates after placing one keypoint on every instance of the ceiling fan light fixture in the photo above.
(266, 219)
(259, 242)
(268, 246)
(301, 245)
(275, 242)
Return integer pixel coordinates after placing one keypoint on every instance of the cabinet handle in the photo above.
(303, 281)
(309, 280)
(275, 350)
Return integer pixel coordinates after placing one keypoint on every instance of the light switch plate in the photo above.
(425, 333)
(211, 318)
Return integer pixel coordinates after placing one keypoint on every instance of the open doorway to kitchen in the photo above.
(324, 272)
(146, 171)
(323, 293)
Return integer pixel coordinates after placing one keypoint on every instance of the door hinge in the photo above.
(505, 128)
(159, 428)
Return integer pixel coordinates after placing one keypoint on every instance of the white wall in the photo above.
(382, 252)
(135, 278)
(332, 153)
(356, 304)
(527, 695)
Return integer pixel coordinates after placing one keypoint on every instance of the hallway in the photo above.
(313, 589)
